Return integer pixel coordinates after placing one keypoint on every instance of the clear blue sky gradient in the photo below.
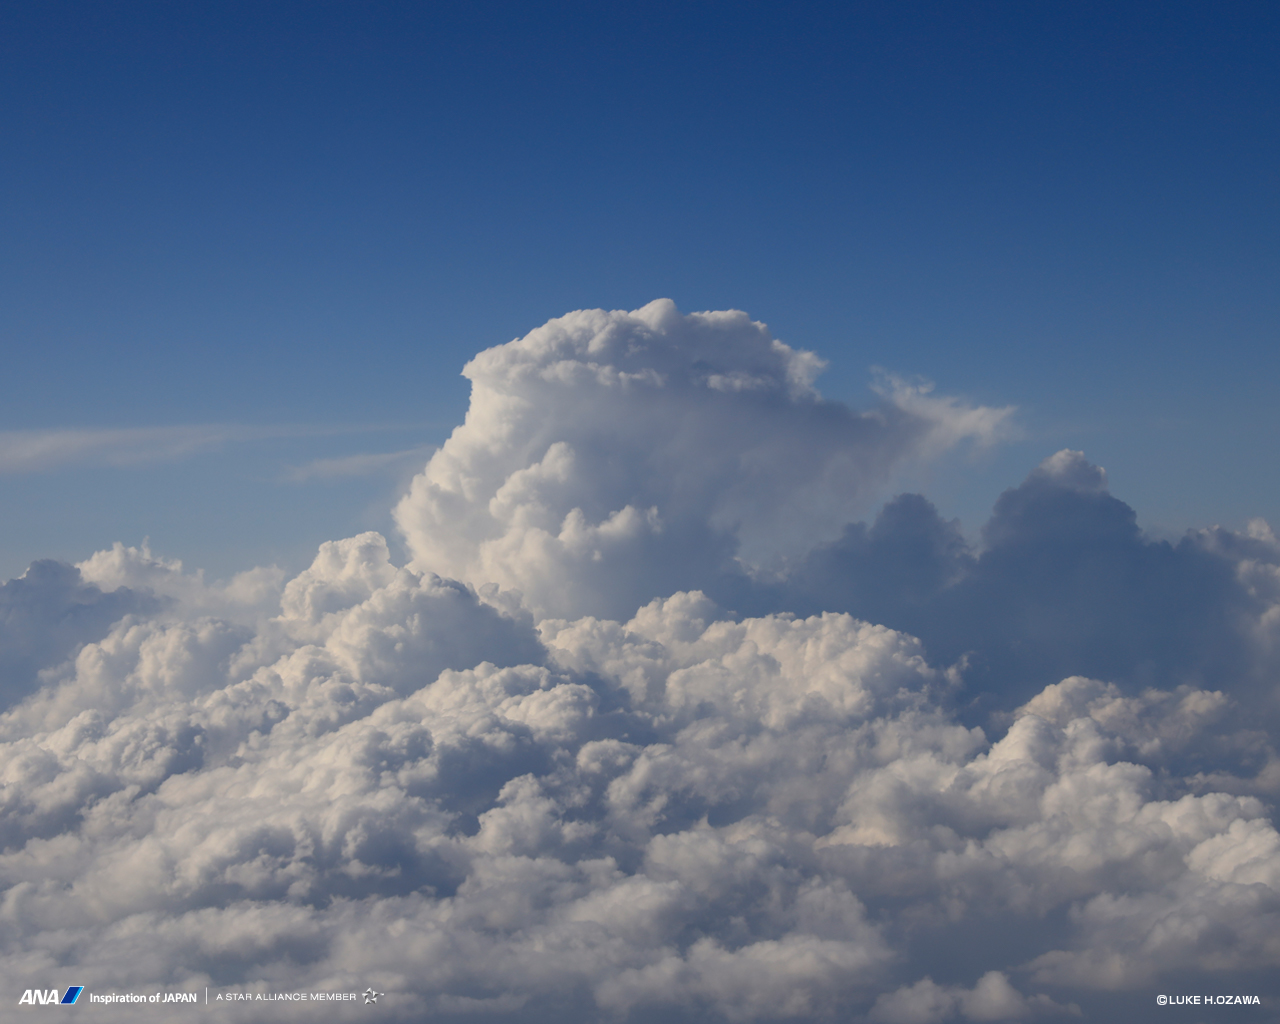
(312, 214)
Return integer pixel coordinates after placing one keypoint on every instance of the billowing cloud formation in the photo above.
(610, 458)
(47, 614)
(499, 806)
(1065, 582)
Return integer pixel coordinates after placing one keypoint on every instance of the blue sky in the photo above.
(296, 222)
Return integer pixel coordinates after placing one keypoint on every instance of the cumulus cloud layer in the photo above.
(475, 785)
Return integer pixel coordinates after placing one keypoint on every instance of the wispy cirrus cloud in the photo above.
(33, 451)
(364, 464)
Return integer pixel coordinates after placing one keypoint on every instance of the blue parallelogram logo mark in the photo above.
(73, 993)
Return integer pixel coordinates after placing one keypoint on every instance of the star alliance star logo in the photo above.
(370, 996)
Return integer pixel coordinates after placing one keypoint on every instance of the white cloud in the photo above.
(609, 458)
(992, 998)
(529, 807)
(47, 614)
(245, 597)
(950, 420)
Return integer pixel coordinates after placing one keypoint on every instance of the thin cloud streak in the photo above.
(34, 451)
(365, 464)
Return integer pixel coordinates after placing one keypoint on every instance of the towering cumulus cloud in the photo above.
(544, 773)
(610, 458)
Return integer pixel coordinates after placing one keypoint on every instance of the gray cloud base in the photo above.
(47, 614)
(1064, 583)
(493, 800)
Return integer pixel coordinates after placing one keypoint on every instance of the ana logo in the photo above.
(49, 997)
